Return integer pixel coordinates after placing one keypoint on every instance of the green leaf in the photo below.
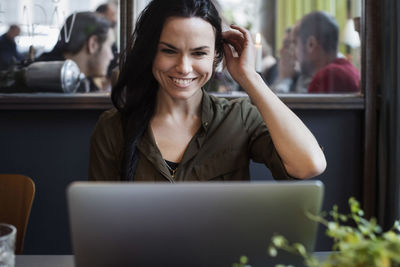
(243, 260)
(361, 244)
(332, 226)
(279, 241)
(272, 251)
(300, 249)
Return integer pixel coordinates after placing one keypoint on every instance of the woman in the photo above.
(167, 128)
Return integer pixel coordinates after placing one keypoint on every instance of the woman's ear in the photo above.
(93, 44)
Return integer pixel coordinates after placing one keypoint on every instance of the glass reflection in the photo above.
(38, 35)
(308, 64)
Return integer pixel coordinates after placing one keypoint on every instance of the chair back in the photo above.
(16, 198)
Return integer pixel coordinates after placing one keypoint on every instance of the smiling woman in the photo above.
(167, 128)
(184, 59)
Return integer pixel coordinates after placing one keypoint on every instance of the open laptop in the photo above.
(189, 224)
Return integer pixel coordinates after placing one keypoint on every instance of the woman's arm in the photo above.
(296, 145)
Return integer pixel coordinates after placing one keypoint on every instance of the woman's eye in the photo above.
(199, 54)
(168, 51)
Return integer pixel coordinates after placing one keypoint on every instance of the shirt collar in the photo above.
(207, 111)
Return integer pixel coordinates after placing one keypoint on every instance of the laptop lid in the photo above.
(188, 224)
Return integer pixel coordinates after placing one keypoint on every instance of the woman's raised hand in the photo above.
(242, 62)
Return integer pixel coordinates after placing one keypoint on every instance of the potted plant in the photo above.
(356, 242)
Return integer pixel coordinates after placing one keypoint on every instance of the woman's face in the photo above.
(185, 56)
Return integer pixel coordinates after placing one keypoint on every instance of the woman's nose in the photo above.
(184, 66)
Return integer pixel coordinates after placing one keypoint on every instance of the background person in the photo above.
(109, 11)
(167, 128)
(290, 79)
(85, 38)
(268, 63)
(316, 44)
(9, 54)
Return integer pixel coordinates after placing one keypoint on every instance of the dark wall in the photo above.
(340, 134)
(52, 148)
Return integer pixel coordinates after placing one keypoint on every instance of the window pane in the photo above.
(309, 46)
(40, 20)
(39, 23)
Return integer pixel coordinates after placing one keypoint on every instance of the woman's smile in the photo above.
(182, 82)
(185, 57)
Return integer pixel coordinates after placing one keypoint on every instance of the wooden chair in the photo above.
(16, 197)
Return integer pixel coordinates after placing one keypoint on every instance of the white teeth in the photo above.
(182, 81)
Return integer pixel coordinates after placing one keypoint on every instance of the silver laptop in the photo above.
(188, 224)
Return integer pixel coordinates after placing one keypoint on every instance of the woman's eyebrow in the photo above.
(169, 45)
(204, 47)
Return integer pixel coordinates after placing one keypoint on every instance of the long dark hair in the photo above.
(134, 94)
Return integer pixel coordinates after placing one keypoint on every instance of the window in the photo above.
(36, 26)
(40, 21)
(293, 66)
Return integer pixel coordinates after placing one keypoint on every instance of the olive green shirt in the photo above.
(231, 133)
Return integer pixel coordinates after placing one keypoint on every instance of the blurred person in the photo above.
(316, 46)
(109, 11)
(85, 38)
(290, 79)
(9, 54)
(268, 63)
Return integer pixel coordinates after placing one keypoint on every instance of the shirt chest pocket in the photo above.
(229, 164)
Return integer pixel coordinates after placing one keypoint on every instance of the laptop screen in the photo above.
(188, 224)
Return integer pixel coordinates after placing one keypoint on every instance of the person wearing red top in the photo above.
(316, 47)
(338, 76)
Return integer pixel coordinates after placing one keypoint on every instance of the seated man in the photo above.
(85, 38)
(316, 45)
(290, 79)
(109, 11)
(9, 54)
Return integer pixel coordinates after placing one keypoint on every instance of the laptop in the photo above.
(189, 224)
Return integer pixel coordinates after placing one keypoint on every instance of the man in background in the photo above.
(9, 54)
(85, 38)
(109, 11)
(289, 78)
(316, 47)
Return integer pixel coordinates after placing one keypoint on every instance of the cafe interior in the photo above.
(46, 120)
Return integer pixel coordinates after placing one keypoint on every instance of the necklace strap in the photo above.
(172, 166)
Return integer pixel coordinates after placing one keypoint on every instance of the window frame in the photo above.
(128, 14)
(366, 101)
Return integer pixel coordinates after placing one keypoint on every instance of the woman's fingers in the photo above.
(241, 41)
(246, 34)
(228, 53)
(235, 39)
